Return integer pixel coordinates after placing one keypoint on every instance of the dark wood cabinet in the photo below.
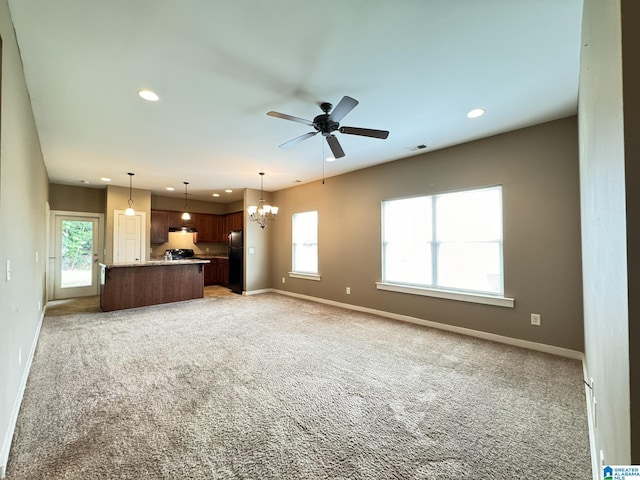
(233, 221)
(210, 228)
(159, 226)
(130, 286)
(175, 220)
(217, 272)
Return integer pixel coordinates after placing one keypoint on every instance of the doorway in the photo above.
(77, 239)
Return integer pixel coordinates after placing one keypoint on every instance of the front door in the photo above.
(76, 253)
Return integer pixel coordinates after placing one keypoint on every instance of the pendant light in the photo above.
(262, 213)
(185, 215)
(129, 211)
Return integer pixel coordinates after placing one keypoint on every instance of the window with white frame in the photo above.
(305, 243)
(450, 241)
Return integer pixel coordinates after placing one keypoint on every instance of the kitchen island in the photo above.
(130, 285)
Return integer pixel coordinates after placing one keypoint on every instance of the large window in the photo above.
(305, 243)
(450, 241)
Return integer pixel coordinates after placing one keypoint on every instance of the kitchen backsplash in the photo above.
(185, 240)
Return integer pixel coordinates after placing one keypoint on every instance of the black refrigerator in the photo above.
(236, 259)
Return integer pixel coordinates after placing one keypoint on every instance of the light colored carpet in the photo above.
(272, 387)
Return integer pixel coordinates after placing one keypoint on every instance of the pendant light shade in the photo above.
(129, 211)
(185, 214)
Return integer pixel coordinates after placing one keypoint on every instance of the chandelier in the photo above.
(262, 213)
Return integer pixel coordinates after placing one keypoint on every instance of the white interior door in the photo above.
(76, 254)
(128, 242)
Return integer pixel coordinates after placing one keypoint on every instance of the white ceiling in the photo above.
(416, 67)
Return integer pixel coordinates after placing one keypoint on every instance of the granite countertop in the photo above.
(155, 263)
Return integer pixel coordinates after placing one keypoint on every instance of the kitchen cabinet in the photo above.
(210, 228)
(233, 221)
(159, 226)
(175, 220)
(217, 272)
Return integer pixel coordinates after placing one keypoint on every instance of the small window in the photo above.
(450, 241)
(305, 242)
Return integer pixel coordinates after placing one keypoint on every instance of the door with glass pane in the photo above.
(76, 256)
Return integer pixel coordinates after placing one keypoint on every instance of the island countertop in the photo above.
(140, 284)
(155, 263)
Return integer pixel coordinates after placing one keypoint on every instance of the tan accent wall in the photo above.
(258, 246)
(538, 170)
(77, 199)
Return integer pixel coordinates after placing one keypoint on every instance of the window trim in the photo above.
(485, 299)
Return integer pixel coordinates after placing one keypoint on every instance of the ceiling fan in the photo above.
(327, 123)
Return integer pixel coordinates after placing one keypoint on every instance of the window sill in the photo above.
(305, 276)
(495, 300)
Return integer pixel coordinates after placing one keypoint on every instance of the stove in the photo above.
(179, 253)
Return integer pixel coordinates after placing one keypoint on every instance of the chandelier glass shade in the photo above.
(129, 212)
(263, 212)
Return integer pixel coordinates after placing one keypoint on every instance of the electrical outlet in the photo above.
(8, 270)
(284, 280)
(19, 356)
(37, 256)
(39, 305)
(348, 290)
(535, 319)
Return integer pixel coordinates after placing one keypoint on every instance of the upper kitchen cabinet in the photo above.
(159, 226)
(175, 220)
(209, 228)
(233, 221)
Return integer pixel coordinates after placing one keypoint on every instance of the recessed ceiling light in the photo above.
(171, 189)
(216, 194)
(476, 112)
(86, 182)
(331, 159)
(148, 95)
(228, 191)
(105, 179)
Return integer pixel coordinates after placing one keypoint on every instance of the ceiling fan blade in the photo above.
(291, 143)
(365, 132)
(284, 116)
(334, 144)
(344, 106)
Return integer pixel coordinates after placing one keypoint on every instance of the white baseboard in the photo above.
(257, 292)
(6, 443)
(540, 347)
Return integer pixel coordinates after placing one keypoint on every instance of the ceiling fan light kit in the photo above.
(329, 122)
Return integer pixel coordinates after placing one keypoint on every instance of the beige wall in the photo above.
(23, 232)
(609, 151)
(159, 202)
(77, 199)
(118, 199)
(538, 170)
(258, 264)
